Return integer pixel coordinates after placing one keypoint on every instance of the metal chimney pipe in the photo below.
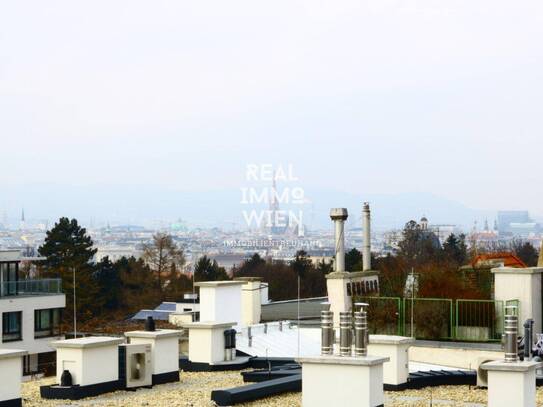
(510, 330)
(150, 324)
(327, 332)
(366, 245)
(528, 338)
(227, 345)
(345, 332)
(360, 333)
(364, 308)
(339, 216)
(233, 352)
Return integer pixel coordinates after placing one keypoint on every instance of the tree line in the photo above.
(121, 287)
(438, 266)
(127, 285)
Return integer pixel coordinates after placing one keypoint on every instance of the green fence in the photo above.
(384, 315)
(438, 318)
(479, 320)
(428, 318)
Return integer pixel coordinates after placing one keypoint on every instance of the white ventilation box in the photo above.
(11, 371)
(135, 365)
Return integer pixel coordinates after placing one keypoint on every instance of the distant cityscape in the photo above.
(229, 247)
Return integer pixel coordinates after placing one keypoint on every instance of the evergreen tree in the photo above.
(138, 284)
(418, 246)
(353, 260)
(209, 270)
(455, 249)
(324, 267)
(254, 262)
(67, 250)
(177, 284)
(301, 263)
(109, 284)
(526, 252)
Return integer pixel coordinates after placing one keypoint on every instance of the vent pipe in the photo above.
(327, 332)
(345, 333)
(233, 352)
(360, 326)
(339, 216)
(366, 248)
(66, 379)
(360, 333)
(227, 345)
(510, 330)
(528, 338)
(150, 324)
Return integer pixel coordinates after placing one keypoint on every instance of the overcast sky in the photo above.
(379, 96)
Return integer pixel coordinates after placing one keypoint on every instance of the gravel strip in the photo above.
(194, 389)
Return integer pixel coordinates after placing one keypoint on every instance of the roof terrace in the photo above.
(48, 286)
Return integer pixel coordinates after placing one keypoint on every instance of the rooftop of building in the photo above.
(489, 260)
(195, 389)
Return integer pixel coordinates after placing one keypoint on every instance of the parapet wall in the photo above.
(461, 358)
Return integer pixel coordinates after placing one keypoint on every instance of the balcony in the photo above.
(48, 286)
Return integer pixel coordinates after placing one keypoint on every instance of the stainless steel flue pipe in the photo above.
(327, 333)
(339, 216)
(366, 248)
(510, 329)
(528, 338)
(360, 333)
(364, 308)
(345, 333)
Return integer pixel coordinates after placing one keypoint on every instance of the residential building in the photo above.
(31, 313)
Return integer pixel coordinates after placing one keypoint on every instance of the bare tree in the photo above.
(161, 254)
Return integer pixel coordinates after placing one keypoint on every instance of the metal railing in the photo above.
(31, 287)
(479, 320)
(384, 315)
(437, 318)
(428, 318)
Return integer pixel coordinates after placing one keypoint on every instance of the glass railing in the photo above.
(31, 287)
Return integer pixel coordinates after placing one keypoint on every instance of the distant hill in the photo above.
(144, 204)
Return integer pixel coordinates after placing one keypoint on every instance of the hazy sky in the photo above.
(382, 96)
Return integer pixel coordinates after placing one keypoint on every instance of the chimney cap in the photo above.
(338, 213)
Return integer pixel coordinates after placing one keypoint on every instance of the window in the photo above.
(8, 278)
(11, 326)
(46, 322)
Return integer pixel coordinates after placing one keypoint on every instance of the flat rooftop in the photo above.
(194, 389)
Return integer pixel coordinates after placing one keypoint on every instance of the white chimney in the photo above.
(366, 248)
(339, 216)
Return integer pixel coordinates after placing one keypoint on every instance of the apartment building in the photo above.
(31, 312)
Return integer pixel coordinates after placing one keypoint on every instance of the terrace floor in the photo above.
(194, 390)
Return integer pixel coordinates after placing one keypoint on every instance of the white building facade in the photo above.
(31, 313)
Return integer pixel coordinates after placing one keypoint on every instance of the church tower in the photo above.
(424, 223)
(22, 225)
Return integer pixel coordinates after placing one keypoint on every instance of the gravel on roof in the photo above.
(194, 390)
